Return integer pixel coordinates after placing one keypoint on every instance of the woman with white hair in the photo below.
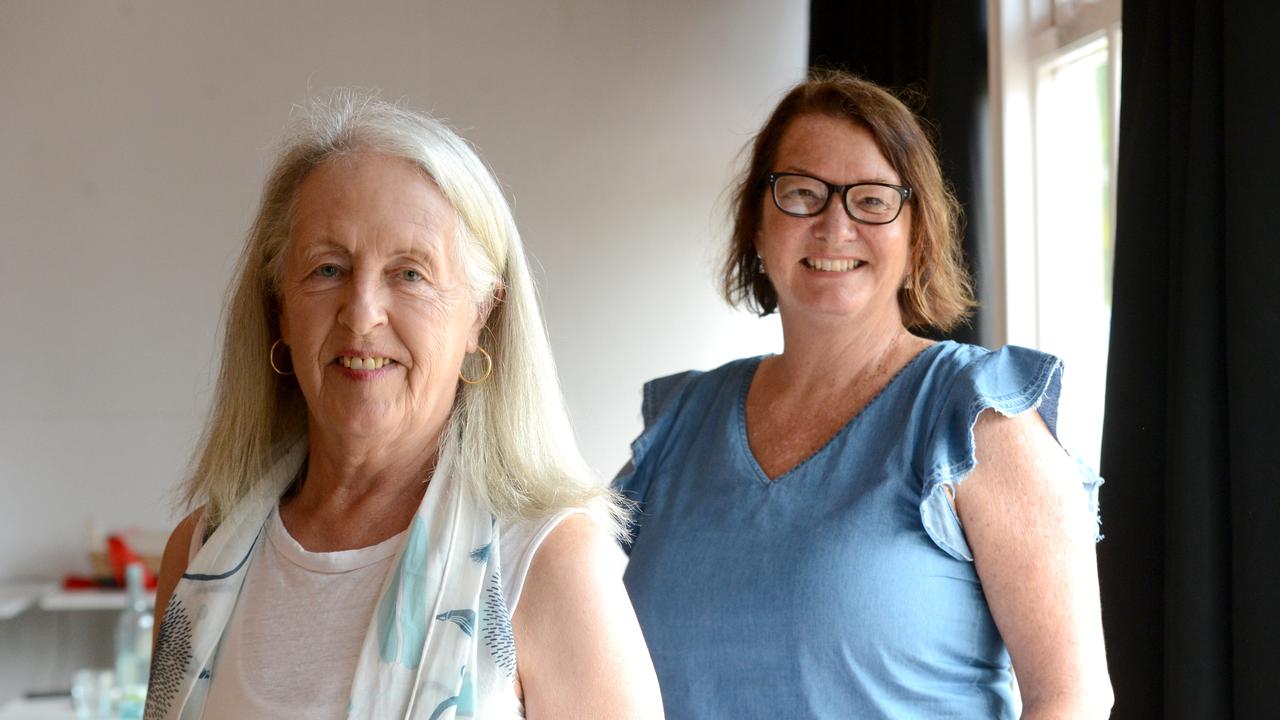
(393, 518)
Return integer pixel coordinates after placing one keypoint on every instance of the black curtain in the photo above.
(1190, 567)
(938, 47)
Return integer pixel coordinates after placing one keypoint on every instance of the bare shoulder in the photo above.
(177, 552)
(579, 649)
(1024, 485)
(575, 549)
(1016, 450)
(575, 570)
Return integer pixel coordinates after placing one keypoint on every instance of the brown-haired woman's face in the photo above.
(829, 264)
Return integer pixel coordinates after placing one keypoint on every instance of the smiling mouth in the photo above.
(825, 265)
(363, 363)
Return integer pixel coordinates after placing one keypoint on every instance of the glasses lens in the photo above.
(799, 195)
(873, 203)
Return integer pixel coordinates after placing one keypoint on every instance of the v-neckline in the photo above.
(741, 408)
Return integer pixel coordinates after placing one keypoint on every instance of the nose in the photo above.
(364, 305)
(833, 224)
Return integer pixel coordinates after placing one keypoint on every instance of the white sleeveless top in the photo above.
(291, 646)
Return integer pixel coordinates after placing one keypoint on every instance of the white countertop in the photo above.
(56, 599)
(16, 597)
(43, 709)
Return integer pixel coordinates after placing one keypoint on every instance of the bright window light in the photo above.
(1074, 165)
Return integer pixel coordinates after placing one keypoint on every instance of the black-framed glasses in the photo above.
(869, 203)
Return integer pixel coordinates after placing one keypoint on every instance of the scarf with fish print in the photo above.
(440, 637)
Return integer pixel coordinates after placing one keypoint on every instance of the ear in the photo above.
(482, 315)
(283, 321)
(759, 243)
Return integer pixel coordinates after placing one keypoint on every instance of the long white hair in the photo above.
(510, 434)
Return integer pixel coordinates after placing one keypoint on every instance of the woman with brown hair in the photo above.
(869, 524)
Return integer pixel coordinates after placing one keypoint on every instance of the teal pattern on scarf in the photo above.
(402, 622)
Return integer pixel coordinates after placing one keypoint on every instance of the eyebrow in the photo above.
(796, 169)
(327, 246)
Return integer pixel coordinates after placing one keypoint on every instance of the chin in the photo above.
(833, 304)
(361, 422)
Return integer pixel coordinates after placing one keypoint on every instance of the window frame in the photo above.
(1025, 38)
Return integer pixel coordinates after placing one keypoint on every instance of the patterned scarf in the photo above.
(421, 656)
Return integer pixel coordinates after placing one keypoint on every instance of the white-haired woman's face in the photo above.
(376, 310)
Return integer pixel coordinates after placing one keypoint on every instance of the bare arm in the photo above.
(1032, 539)
(579, 647)
(176, 553)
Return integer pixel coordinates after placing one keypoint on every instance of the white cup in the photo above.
(93, 693)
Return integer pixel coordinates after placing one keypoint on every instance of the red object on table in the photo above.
(119, 555)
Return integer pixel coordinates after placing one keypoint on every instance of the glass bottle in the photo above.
(133, 646)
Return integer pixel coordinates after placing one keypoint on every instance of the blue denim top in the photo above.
(844, 588)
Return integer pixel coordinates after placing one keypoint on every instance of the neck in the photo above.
(826, 353)
(350, 481)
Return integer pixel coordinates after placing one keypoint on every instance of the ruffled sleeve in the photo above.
(1011, 380)
(659, 407)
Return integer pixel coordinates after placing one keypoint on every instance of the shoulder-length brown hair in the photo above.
(939, 294)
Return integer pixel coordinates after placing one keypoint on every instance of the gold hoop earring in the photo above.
(271, 358)
(488, 369)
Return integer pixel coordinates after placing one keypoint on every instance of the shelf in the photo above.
(56, 600)
(44, 709)
(15, 598)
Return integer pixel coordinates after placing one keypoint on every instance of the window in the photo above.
(1057, 101)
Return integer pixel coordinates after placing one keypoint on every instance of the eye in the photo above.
(410, 275)
(799, 194)
(873, 199)
(328, 270)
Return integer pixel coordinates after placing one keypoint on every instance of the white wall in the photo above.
(133, 141)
